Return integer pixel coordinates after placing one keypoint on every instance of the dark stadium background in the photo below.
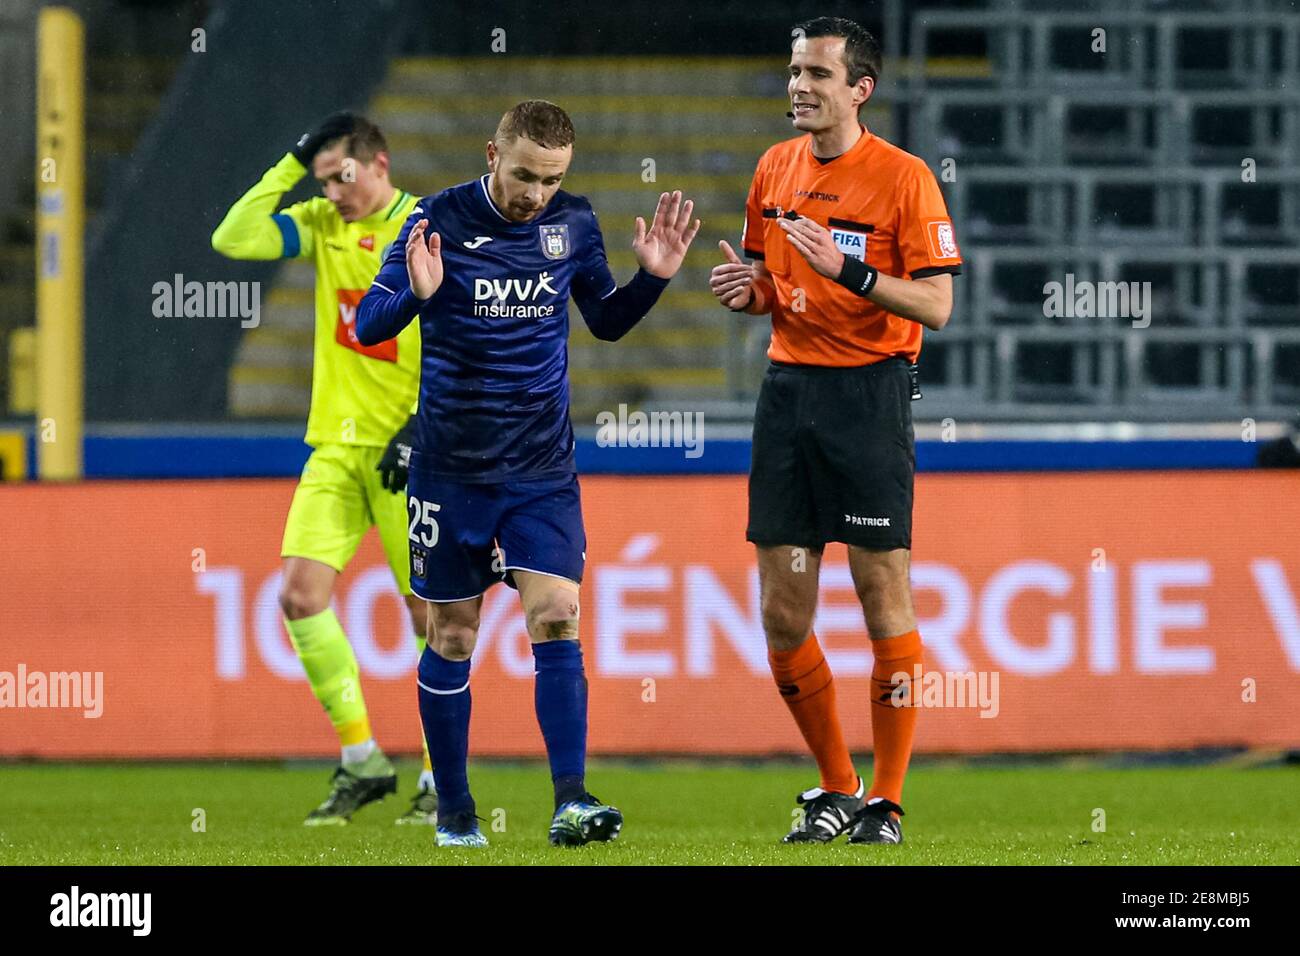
(1061, 155)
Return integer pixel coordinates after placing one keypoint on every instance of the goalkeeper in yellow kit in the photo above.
(362, 401)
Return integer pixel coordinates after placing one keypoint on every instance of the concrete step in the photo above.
(17, 263)
(652, 335)
(651, 380)
(119, 111)
(591, 114)
(417, 162)
(131, 73)
(272, 375)
(551, 77)
(291, 298)
(275, 393)
(294, 348)
(18, 298)
(694, 273)
(665, 316)
(559, 78)
(296, 274)
(473, 143)
(268, 346)
(657, 359)
(722, 222)
(253, 397)
(299, 318)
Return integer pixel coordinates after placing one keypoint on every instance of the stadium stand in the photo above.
(644, 125)
(1169, 158)
(1124, 166)
(132, 58)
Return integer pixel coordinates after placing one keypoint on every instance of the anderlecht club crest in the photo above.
(555, 241)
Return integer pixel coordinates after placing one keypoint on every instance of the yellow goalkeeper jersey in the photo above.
(360, 395)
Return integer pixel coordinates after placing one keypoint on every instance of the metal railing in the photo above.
(1120, 169)
(1141, 48)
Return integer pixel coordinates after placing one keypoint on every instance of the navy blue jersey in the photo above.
(494, 388)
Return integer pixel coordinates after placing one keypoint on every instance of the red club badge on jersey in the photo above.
(345, 332)
(367, 242)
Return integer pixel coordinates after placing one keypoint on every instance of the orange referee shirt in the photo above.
(882, 205)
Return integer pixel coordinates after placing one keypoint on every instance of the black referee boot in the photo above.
(875, 823)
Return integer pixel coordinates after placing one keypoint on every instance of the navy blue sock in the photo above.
(560, 696)
(444, 711)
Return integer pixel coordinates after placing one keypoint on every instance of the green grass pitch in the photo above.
(677, 813)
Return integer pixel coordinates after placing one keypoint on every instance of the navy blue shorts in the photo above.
(455, 529)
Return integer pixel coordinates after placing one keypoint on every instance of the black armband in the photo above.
(858, 277)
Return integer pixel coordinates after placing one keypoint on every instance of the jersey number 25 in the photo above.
(424, 527)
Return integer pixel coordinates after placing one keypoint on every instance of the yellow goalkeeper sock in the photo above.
(333, 674)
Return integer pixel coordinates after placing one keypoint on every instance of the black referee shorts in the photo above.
(833, 457)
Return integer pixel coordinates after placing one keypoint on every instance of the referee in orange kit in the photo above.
(852, 252)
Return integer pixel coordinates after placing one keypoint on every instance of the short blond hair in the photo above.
(543, 122)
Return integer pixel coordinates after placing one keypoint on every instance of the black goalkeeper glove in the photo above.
(331, 128)
(396, 463)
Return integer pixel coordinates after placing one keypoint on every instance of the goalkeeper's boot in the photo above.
(354, 786)
(876, 823)
(424, 809)
(826, 814)
(459, 829)
(583, 821)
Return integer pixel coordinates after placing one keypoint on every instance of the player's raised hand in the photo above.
(732, 282)
(815, 244)
(423, 261)
(661, 249)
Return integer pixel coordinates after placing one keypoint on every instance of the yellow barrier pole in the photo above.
(60, 227)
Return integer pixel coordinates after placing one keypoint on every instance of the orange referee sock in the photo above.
(892, 726)
(808, 689)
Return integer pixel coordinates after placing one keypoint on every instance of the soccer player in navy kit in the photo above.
(488, 266)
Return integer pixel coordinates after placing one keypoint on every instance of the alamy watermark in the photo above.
(939, 689)
(179, 299)
(651, 430)
(133, 911)
(83, 690)
(1085, 299)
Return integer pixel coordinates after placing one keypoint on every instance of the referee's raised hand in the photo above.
(815, 244)
(732, 282)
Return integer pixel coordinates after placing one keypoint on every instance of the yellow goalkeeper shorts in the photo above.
(337, 499)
